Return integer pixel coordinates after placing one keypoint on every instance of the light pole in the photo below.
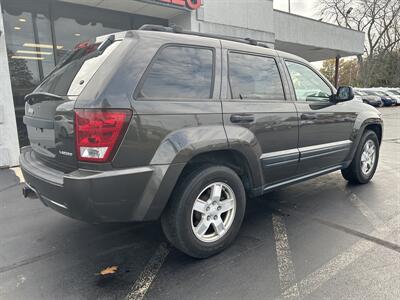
(337, 63)
(348, 12)
(289, 6)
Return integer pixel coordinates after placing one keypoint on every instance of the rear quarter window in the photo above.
(179, 72)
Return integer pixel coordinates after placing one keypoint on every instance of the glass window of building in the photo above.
(29, 49)
(74, 24)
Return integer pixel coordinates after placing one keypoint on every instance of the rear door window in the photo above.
(254, 77)
(180, 72)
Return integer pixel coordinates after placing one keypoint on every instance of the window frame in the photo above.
(142, 80)
(330, 86)
(230, 91)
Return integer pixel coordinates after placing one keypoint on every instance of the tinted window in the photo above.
(76, 69)
(180, 73)
(254, 77)
(307, 84)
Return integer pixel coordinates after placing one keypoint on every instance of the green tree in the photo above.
(328, 70)
(20, 74)
(348, 71)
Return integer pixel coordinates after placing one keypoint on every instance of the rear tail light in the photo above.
(99, 133)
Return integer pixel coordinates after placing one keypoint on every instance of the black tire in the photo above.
(177, 218)
(353, 173)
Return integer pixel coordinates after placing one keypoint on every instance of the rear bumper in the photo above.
(123, 195)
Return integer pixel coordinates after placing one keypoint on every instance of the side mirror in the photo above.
(344, 93)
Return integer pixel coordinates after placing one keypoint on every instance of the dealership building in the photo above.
(36, 34)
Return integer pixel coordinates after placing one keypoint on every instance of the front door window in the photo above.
(307, 84)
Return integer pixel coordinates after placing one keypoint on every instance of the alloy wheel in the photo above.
(213, 212)
(368, 157)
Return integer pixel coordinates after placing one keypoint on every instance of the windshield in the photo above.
(395, 92)
(361, 93)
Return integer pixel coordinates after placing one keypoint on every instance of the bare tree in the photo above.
(379, 19)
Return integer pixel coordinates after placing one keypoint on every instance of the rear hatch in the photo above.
(49, 110)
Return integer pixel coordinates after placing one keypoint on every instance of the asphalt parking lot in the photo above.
(321, 239)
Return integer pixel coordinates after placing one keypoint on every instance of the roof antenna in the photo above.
(252, 41)
(176, 28)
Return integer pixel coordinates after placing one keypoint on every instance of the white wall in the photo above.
(9, 146)
(239, 18)
(299, 30)
(250, 14)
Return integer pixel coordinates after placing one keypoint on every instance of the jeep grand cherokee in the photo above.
(161, 123)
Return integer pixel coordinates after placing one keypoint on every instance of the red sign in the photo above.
(191, 4)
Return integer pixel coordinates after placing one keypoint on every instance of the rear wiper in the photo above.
(30, 97)
(103, 46)
(106, 43)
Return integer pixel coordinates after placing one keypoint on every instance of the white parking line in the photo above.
(319, 277)
(287, 275)
(146, 278)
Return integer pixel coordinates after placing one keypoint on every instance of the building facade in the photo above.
(36, 34)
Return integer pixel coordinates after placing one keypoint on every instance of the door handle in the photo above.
(242, 118)
(308, 116)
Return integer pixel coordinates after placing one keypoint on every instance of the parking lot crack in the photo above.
(348, 230)
(28, 261)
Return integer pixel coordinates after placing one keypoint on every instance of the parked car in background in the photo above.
(387, 101)
(373, 100)
(358, 98)
(393, 96)
(394, 91)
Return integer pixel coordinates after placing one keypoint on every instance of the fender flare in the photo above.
(180, 147)
(364, 120)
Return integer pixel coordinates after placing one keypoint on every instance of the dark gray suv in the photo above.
(161, 123)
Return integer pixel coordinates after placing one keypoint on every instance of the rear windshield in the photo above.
(76, 69)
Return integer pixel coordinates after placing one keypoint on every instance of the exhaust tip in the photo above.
(28, 192)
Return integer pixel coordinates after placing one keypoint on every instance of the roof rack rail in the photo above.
(177, 29)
